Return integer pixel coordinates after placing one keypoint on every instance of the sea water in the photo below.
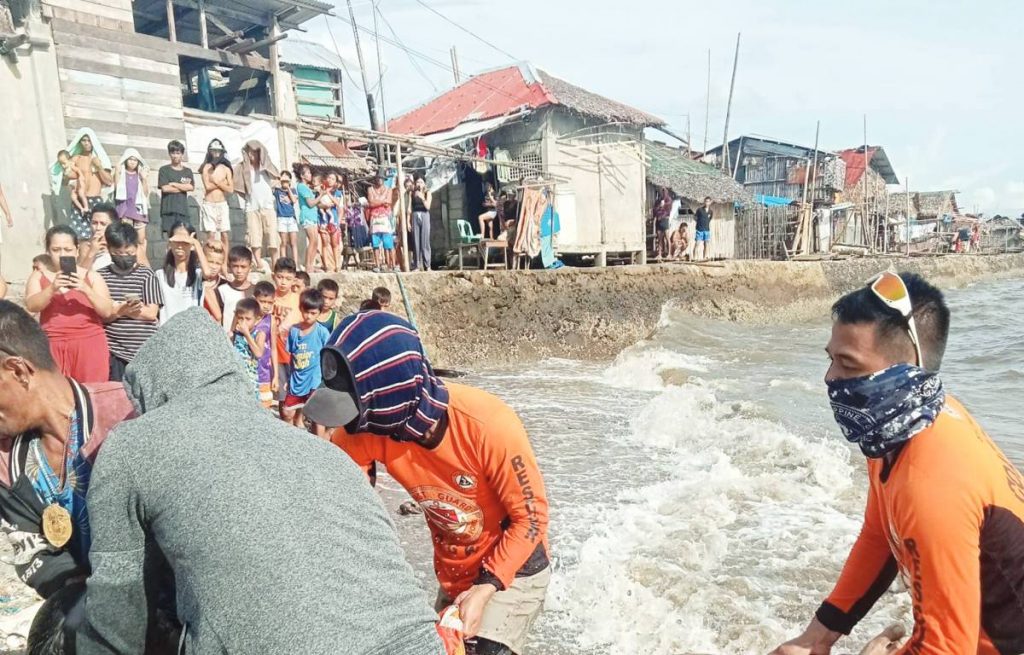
(702, 498)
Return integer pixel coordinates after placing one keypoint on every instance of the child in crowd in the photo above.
(229, 292)
(131, 191)
(249, 343)
(43, 263)
(329, 230)
(287, 223)
(330, 317)
(369, 305)
(680, 241)
(286, 314)
(302, 281)
(266, 369)
(137, 298)
(305, 341)
(77, 191)
(214, 251)
(382, 296)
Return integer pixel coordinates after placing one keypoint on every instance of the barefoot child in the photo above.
(77, 191)
(249, 342)
(214, 251)
(266, 370)
(330, 317)
(305, 341)
(286, 314)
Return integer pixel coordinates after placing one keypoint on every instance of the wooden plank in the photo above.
(118, 71)
(116, 94)
(63, 27)
(142, 52)
(221, 57)
(122, 115)
(86, 20)
(90, 7)
(117, 142)
(116, 58)
(88, 103)
(161, 92)
(161, 134)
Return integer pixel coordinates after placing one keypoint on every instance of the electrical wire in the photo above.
(412, 60)
(468, 31)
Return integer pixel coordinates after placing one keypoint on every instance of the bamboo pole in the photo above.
(907, 180)
(380, 67)
(370, 103)
(707, 108)
(204, 37)
(814, 171)
(172, 29)
(403, 227)
(455, 66)
(728, 106)
(689, 151)
(885, 233)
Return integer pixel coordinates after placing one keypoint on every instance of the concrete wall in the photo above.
(32, 131)
(484, 319)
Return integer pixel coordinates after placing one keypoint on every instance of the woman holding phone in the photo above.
(72, 302)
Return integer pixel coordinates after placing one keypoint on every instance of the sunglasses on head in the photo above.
(891, 290)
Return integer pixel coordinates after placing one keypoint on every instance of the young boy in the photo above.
(382, 296)
(214, 252)
(229, 292)
(176, 182)
(77, 190)
(680, 241)
(266, 372)
(305, 341)
(329, 290)
(302, 281)
(287, 223)
(137, 298)
(250, 344)
(286, 314)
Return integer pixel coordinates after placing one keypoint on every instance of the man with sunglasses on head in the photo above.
(945, 507)
(464, 457)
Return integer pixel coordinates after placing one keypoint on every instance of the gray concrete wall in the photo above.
(32, 132)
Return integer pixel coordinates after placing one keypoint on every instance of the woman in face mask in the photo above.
(72, 302)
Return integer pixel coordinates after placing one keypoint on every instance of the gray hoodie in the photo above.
(276, 540)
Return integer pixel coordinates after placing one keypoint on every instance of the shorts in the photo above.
(260, 224)
(287, 225)
(216, 216)
(489, 215)
(509, 616)
(306, 223)
(662, 225)
(702, 235)
(137, 223)
(296, 402)
(82, 223)
(266, 395)
(170, 218)
(384, 240)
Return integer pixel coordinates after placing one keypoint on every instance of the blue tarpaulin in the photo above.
(773, 201)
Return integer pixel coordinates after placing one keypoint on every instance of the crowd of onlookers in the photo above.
(675, 243)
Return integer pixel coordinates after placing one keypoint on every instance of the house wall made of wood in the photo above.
(723, 225)
(602, 206)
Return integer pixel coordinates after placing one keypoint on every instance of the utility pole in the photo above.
(689, 150)
(707, 108)
(370, 104)
(380, 66)
(867, 162)
(455, 66)
(728, 106)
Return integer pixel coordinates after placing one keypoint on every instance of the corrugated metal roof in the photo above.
(508, 91)
(878, 160)
(296, 52)
(332, 154)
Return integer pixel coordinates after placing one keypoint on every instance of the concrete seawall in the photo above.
(477, 319)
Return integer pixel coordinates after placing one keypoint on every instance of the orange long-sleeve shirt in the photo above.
(949, 516)
(480, 490)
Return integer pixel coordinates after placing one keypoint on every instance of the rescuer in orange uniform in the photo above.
(464, 457)
(945, 507)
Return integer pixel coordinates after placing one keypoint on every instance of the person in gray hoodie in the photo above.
(275, 542)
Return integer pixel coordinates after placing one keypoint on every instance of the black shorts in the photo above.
(662, 224)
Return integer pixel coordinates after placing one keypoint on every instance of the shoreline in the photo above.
(482, 319)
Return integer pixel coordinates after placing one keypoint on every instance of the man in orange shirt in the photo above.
(462, 454)
(945, 507)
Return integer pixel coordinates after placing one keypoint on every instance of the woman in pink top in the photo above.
(71, 310)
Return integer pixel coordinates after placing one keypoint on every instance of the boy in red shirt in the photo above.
(462, 454)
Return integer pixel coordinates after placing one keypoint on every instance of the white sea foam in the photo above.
(652, 369)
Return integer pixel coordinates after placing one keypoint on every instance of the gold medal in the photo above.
(57, 525)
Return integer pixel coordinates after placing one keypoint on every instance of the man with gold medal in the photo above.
(51, 428)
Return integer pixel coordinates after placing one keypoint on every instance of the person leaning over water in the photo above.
(945, 507)
(464, 457)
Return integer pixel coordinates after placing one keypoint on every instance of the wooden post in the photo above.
(277, 97)
(402, 210)
(907, 180)
(380, 68)
(455, 66)
(204, 37)
(885, 233)
(728, 106)
(602, 258)
(707, 108)
(172, 29)
(814, 175)
(867, 221)
(689, 150)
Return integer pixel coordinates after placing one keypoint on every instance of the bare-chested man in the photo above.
(92, 176)
(218, 183)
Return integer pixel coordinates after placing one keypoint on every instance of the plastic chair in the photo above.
(466, 232)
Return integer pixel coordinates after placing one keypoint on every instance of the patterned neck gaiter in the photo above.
(878, 412)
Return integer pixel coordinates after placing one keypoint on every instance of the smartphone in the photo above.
(68, 266)
(132, 298)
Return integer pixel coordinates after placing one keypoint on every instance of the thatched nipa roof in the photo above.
(597, 106)
(693, 180)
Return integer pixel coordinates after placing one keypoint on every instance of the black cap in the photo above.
(335, 404)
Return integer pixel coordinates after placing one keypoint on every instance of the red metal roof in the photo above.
(488, 95)
(854, 158)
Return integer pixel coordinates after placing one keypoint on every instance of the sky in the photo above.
(939, 82)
